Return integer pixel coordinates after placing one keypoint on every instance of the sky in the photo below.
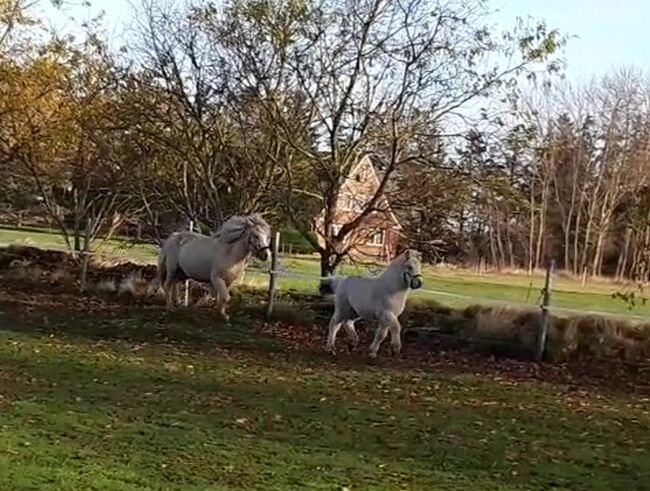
(606, 35)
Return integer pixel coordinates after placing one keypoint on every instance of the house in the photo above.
(380, 235)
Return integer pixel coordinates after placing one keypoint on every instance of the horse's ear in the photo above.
(407, 253)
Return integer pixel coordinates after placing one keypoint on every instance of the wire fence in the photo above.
(281, 271)
(471, 299)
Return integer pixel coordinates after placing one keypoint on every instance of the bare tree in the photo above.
(370, 77)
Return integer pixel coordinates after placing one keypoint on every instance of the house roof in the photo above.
(367, 160)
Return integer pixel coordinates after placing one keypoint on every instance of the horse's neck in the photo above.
(235, 256)
(392, 279)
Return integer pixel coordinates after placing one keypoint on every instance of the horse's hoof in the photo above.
(372, 354)
(330, 350)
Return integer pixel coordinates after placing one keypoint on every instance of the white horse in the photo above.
(218, 259)
(381, 299)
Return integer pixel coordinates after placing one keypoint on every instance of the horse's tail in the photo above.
(328, 286)
(161, 275)
(161, 270)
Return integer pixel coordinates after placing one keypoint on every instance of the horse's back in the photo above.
(196, 256)
(357, 293)
(368, 297)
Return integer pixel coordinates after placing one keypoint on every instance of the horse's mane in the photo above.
(400, 259)
(236, 226)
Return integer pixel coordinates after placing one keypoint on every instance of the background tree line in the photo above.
(266, 105)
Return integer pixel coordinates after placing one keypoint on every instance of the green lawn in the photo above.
(50, 239)
(143, 400)
(510, 289)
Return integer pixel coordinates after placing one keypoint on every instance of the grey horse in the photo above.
(380, 299)
(218, 259)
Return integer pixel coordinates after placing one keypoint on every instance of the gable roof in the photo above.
(365, 160)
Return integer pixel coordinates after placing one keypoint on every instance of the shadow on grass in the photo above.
(319, 426)
(185, 327)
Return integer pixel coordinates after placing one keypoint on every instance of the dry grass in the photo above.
(134, 285)
(607, 338)
(503, 330)
(24, 270)
(62, 276)
(105, 286)
(517, 332)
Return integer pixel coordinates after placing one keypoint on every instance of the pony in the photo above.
(218, 259)
(381, 299)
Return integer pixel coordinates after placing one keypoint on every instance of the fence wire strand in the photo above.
(284, 272)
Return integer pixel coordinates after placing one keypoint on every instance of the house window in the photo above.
(362, 174)
(354, 203)
(378, 238)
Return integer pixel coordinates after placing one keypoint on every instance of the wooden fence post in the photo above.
(273, 274)
(546, 302)
(187, 282)
(85, 254)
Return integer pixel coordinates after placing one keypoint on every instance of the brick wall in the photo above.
(355, 194)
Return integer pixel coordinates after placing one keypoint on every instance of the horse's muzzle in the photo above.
(415, 281)
(264, 253)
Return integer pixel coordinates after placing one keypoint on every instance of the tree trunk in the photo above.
(607, 210)
(597, 266)
(621, 266)
(531, 230)
(502, 256)
(645, 256)
(327, 266)
(509, 244)
(328, 254)
(76, 220)
(77, 238)
(572, 209)
(567, 239)
(542, 228)
(587, 240)
(493, 251)
(576, 239)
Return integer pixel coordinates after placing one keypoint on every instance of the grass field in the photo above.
(509, 288)
(131, 398)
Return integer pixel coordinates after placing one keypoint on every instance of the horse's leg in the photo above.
(220, 291)
(352, 332)
(387, 321)
(335, 325)
(170, 279)
(169, 286)
(177, 293)
(380, 335)
(395, 335)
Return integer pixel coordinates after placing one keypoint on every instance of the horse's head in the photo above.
(251, 231)
(259, 237)
(412, 269)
